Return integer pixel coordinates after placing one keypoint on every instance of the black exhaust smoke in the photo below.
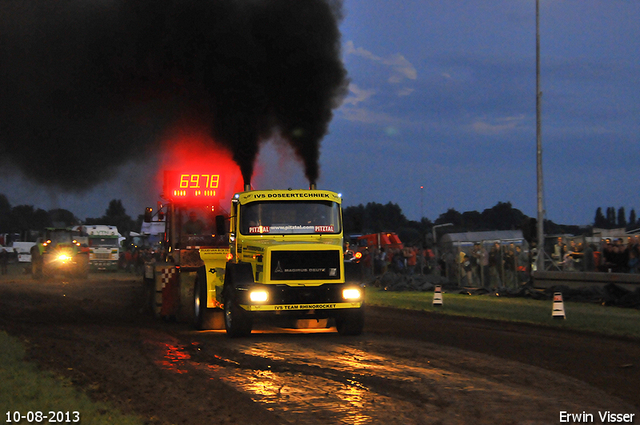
(87, 85)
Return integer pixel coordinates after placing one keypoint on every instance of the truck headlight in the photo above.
(351, 294)
(258, 296)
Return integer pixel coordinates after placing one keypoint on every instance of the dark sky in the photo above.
(441, 94)
(90, 84)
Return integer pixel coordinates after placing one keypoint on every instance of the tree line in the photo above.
(27, 221)
(613, 220)
(361, 219)
(374, 217)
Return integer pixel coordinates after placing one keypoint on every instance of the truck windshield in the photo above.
(195, 227)
(58, 237)
(103, 242)
(275, 217)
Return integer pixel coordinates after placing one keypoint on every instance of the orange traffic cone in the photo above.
(437, 296)
(558, 306)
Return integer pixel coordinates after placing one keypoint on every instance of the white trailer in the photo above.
(104, 246)
(24, 251)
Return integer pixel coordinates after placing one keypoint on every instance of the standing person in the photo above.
(412, 260)
(633, 261)
(430, 261)
(4, 259)
(383, 261)
(479, 261)
(495, 265)
(558, 251)
(128, 260)
(589, 263)
(567, 260)
(607, 262)
(522, 264)
(139, 261)
(509, 265)
(466, 266)
(484, 266)
(377, 262)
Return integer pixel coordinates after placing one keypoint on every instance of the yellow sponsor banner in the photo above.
(213, 251)
(294, 307)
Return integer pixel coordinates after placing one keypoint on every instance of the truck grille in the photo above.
(305, 265)
(102, 256)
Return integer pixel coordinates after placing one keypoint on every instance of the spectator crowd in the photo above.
(612, 256)
(506, 264)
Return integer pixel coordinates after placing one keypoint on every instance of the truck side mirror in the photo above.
(221, 228)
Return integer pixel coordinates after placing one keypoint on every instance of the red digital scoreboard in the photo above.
(202, 187)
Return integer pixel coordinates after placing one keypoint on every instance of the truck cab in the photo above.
(104, 246)
(285, 261)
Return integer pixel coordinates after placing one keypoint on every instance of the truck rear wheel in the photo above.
(350, 322)
(205, 318)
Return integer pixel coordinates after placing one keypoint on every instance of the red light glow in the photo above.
(197, 170)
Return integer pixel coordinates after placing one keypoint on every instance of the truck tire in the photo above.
(237, 322)
(350, 322)
(204, 318)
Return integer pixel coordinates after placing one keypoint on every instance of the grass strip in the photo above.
(26, 389)
(613, 321)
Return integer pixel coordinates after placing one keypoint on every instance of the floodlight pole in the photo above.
(540, 247)
(421, 203)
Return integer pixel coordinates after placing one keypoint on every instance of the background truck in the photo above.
(277, 256)
(58, 252)
(23, 249)
(104, 246)
(186, 217)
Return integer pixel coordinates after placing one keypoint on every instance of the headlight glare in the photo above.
(258, 296)
(351, 294)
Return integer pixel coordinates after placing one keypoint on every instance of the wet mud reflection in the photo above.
(319, 380)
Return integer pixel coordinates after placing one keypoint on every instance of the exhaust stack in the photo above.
(312, 186)
(247, 187)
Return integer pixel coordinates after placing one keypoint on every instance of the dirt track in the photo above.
(406, 367)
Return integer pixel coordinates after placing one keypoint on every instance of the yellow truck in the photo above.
(276, 256)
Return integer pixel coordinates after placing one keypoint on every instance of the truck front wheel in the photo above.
(236, 321)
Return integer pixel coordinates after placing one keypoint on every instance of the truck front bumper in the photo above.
(281, 299)
(103, 265)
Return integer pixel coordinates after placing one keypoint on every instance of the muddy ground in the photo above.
(406, 368)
